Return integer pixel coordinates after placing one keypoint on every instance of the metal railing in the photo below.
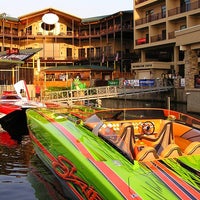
(70, 96)
(97, 93)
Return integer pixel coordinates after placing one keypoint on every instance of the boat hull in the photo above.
(92, 169)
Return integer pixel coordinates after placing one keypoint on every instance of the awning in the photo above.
(11, 58)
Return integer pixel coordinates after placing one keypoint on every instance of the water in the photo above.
(24, 177)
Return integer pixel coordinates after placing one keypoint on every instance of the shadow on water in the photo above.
(128, 103)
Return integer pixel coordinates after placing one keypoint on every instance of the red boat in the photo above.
(12, 112)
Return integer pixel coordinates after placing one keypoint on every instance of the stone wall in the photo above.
(191, 68)
(193, 103)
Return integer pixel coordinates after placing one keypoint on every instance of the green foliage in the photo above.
(57, 88)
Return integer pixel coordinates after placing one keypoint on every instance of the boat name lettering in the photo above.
(66, 170)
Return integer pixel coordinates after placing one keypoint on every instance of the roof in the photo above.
(13, 59)
(99, 18)
(22, 55)
(93, 19)
(61, 13)
(9, 18)
(48, 10)
(79, 67)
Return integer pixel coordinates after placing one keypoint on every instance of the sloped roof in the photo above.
(22, 55)
(47, 10)
(99, 18)
(9, 18)
(79, 67)
(10, 60)
(93, 19)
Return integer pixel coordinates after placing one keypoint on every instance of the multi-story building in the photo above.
(70, 40)
(164, 32)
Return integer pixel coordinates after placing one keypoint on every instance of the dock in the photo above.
(97, 93)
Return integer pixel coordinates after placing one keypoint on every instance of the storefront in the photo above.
(63, 76)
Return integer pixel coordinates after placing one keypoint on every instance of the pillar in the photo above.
(191, 68)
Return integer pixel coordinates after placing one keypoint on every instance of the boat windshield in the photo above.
(123, 128)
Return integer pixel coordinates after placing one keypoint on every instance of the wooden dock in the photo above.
(98, 93)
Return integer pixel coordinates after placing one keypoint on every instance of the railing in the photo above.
(188, 7)
(171, 35)
(81, 34)
(158, 37)
(70, 96)
(150, 18)
(97, 93)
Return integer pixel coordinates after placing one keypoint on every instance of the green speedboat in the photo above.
(132, 153)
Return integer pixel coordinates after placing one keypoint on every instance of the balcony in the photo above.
(188, 7)
(157, 38)
(150, 18)
(140, 1)
(146, 2)
(8, 33)
(141, 41)
(104, 31)
(171, 35)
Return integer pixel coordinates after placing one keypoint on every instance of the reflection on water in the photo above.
(14, 166)
(115, 103)
(24, 177)
(46, 185)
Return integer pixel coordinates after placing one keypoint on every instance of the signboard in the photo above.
(113, 83)
(197, 81)
(182, 82)
(147, 82)
(131, 83)
(12, 51)
(18, 55)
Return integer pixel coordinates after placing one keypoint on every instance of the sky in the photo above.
(78, 8)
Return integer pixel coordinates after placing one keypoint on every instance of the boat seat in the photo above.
(162, 140)
(147, 154)
(193, 148)
(126, 139)
(171, 151)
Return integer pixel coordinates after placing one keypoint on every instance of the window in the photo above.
(81, 53)
(163, 11)
(149, 14)
(183, 27)
(69, 53)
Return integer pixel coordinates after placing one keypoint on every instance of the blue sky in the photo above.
(79, 8)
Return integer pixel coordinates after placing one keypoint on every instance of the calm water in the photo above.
(24, 177)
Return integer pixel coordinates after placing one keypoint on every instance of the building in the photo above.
(166, 32)
(66, 40)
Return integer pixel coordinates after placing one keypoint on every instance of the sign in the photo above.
(197, 81)
(139, 82)
(12, 51)
(182, 82)
(113, 82)
(147, 82)
(50, 18)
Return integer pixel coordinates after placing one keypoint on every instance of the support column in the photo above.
(191, 68)
(176, 58)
